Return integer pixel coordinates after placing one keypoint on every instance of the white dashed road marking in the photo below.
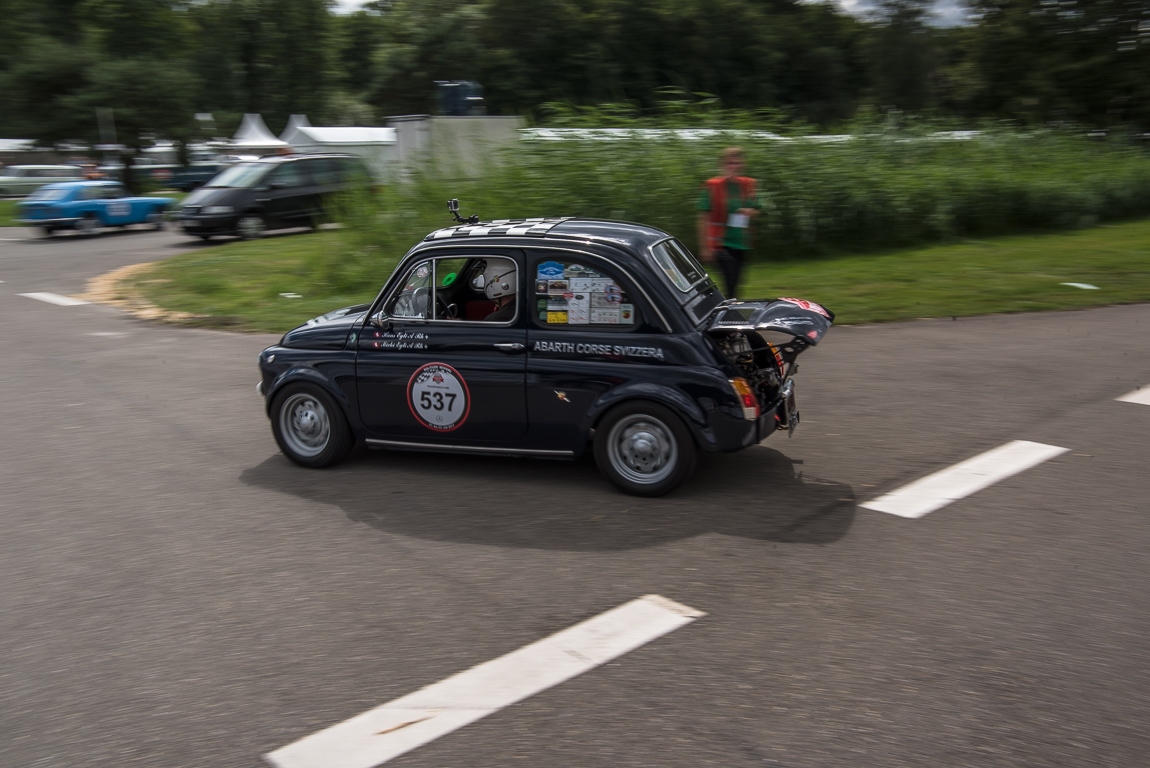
(407, 723)
(953, 483)
(1141, 396)
(54, 298)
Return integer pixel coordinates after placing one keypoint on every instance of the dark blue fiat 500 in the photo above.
(540, 337)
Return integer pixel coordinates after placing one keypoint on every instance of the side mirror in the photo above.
(380, 319)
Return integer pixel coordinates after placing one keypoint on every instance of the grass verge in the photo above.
(8, 213)
(241, 285)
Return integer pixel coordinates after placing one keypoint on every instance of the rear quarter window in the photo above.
(566, 293)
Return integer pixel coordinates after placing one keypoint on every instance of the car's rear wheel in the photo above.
(89, 225)
(251, 226)
(48, 231)
(644, 449)
(309, 426)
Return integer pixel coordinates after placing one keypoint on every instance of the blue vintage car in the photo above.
(89, 206)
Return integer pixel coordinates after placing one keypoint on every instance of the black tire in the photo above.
(48, 231)
(205, 238)
(644, 448)
(156, 220)
(89, 225)
(251, 226)
(309, 426)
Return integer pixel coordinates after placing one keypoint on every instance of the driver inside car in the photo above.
(498, 284)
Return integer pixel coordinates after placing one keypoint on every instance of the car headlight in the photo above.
(215, 209)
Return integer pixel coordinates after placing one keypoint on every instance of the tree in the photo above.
(901, 55)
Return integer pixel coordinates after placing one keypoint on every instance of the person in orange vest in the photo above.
(727, 205)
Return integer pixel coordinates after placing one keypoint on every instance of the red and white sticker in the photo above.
(438, 397)
(806, 305)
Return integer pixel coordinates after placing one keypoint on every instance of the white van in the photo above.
(25, 179)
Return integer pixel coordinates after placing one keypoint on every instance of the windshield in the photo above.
(43, 193)
(677, 263)
(241, 175)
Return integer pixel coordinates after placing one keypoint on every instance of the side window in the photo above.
(568, 293)
(322, 171)
(288, 175)
(113, 192)
(352, 170)
(89, 193)
(413, 298)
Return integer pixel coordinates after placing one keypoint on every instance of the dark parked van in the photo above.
(274, 192)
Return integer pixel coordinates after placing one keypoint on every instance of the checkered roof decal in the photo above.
(512, 227)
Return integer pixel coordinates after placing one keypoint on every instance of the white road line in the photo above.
(1141, 396)
(953, 483)
(54, 298)
(390, 730)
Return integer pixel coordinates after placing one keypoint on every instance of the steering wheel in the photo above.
(445, 311)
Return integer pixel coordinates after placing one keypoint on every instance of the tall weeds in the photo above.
(887, 185)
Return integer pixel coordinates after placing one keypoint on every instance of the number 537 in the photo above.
(435, 400)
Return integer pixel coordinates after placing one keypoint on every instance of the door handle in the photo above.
(511, 346)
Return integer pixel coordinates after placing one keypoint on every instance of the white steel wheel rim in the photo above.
(88, 225)
(642, 449)
(305, 425)
(251, 226)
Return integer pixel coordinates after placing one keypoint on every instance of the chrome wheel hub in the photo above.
(250, 227)
(305, 425)
(642, 449)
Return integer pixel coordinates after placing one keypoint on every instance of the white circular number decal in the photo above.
(438, 397)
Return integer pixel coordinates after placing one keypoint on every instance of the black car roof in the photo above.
(634, 237)
(297, 156)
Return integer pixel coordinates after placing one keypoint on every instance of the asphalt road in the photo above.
(173, 592)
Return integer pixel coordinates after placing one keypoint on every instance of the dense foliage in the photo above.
(158, 62)
(887, 185)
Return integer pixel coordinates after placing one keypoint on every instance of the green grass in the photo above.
(8, 213)
(239, 285)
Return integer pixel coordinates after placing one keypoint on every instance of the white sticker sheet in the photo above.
(574, 294)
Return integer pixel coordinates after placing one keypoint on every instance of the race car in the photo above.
(90, 206)
(544, 337)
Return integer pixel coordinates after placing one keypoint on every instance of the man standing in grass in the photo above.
(727, 203)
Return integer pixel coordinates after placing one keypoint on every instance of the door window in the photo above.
(323, 171)
(413, 299)
(458, 288)
(287, 175)
(568, 293)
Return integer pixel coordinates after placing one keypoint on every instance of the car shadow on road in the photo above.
(506, 502)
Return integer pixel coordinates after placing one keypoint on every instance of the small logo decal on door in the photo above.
(438, 397)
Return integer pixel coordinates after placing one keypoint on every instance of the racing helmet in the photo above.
(497, 280)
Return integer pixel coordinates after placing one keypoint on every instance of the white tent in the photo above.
(375, 145)
(254, 138)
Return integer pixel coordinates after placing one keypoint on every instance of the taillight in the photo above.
(746, 397)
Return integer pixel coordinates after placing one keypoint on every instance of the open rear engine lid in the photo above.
(797, 317)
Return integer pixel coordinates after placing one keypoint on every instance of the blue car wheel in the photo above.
(89, 225)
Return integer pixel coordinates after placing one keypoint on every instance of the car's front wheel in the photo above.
(309, 426)
(251, 225)
(89, 225)
(156, 220)
(644, 449)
